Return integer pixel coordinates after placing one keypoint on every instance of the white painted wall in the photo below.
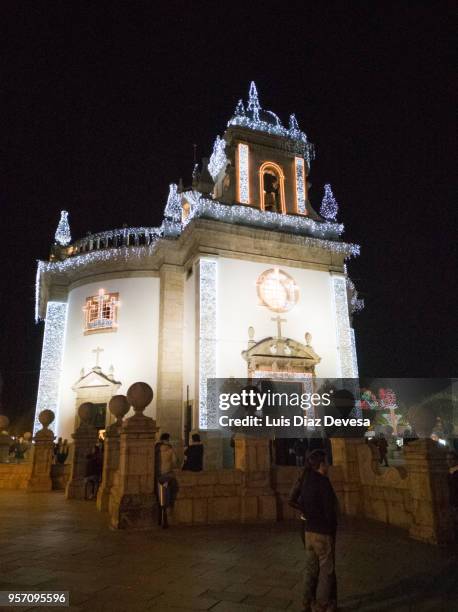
(132, 349)
(239, 307)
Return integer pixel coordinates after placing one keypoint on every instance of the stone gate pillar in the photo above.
(40, 479)
(132, 499)
(170, 358)
(119, 407)
(85, 438)
(345, 455)
(252, 457)
(428, 486)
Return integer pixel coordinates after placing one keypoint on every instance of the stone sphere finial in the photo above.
(308, 338)
(139, 395)
(27, 436)
(251, 332)
(119, 407)
(85, 412)
(46, 417)
(4, 422)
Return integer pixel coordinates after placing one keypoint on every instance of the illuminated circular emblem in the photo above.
(277, 290)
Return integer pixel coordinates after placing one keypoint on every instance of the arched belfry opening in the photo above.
(272, 188)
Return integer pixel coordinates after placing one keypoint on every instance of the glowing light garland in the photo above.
(207, 337)
(121, 254)
(346, 349)
(329, 206)
(51, 361)
(218, 160)
(127, 236)
(355, 304)
(244, 176)
(62, 235)
(94, 249)
(300, 185)
(251, 118)
(172, 212)
(292, 224)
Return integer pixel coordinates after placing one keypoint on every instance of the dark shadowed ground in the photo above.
(48, 543)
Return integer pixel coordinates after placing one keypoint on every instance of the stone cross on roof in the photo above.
(97, 352)
(278, 320)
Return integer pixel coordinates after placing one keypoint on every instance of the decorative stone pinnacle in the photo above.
(46, 417)
(119, 407)
(139, 395)
(85, 412)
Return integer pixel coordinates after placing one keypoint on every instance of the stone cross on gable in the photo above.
(278, 320)
(97, 352)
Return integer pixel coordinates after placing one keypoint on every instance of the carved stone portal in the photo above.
(280, 357)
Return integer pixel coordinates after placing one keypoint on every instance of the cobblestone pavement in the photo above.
(48, 543)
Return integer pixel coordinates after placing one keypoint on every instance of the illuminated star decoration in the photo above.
(62, 235)
(329, 206)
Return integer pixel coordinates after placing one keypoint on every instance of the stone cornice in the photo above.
(201, 236)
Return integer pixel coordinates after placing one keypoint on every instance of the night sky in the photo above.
(102, 103)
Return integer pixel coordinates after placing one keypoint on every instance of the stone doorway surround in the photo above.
(95, 387)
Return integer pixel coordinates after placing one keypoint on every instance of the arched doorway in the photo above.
(272, 188)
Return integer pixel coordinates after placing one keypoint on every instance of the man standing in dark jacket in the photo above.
(319, 507)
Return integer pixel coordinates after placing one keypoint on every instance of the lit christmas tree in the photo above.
(329, 206)
(253, 101)
(62, 235)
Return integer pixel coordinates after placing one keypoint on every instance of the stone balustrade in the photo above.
(124, 237)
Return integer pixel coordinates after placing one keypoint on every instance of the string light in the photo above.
(253, 102)
(300, 185)
(172, 213)
(244, 176)
(51, 361)
(218, 160)
(62, 235)
(348, 365)
(207, 337)
(329, 205)
(251, 118)
(125, 254)
(293, 224)
(355, 304)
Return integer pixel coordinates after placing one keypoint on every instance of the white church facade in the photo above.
(242, 279)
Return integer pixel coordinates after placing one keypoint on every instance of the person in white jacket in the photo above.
(165, 462)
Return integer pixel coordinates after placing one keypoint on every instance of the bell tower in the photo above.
(260, 163)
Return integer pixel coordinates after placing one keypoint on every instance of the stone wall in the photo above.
(385, 494)
(413, 497)
(15, 475)
(60, 475)
(217, 496)
(208, 497)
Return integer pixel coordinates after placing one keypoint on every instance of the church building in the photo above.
(243, 278)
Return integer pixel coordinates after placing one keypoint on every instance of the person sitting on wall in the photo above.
(194, 455)
(62, 453)
(56, 448)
